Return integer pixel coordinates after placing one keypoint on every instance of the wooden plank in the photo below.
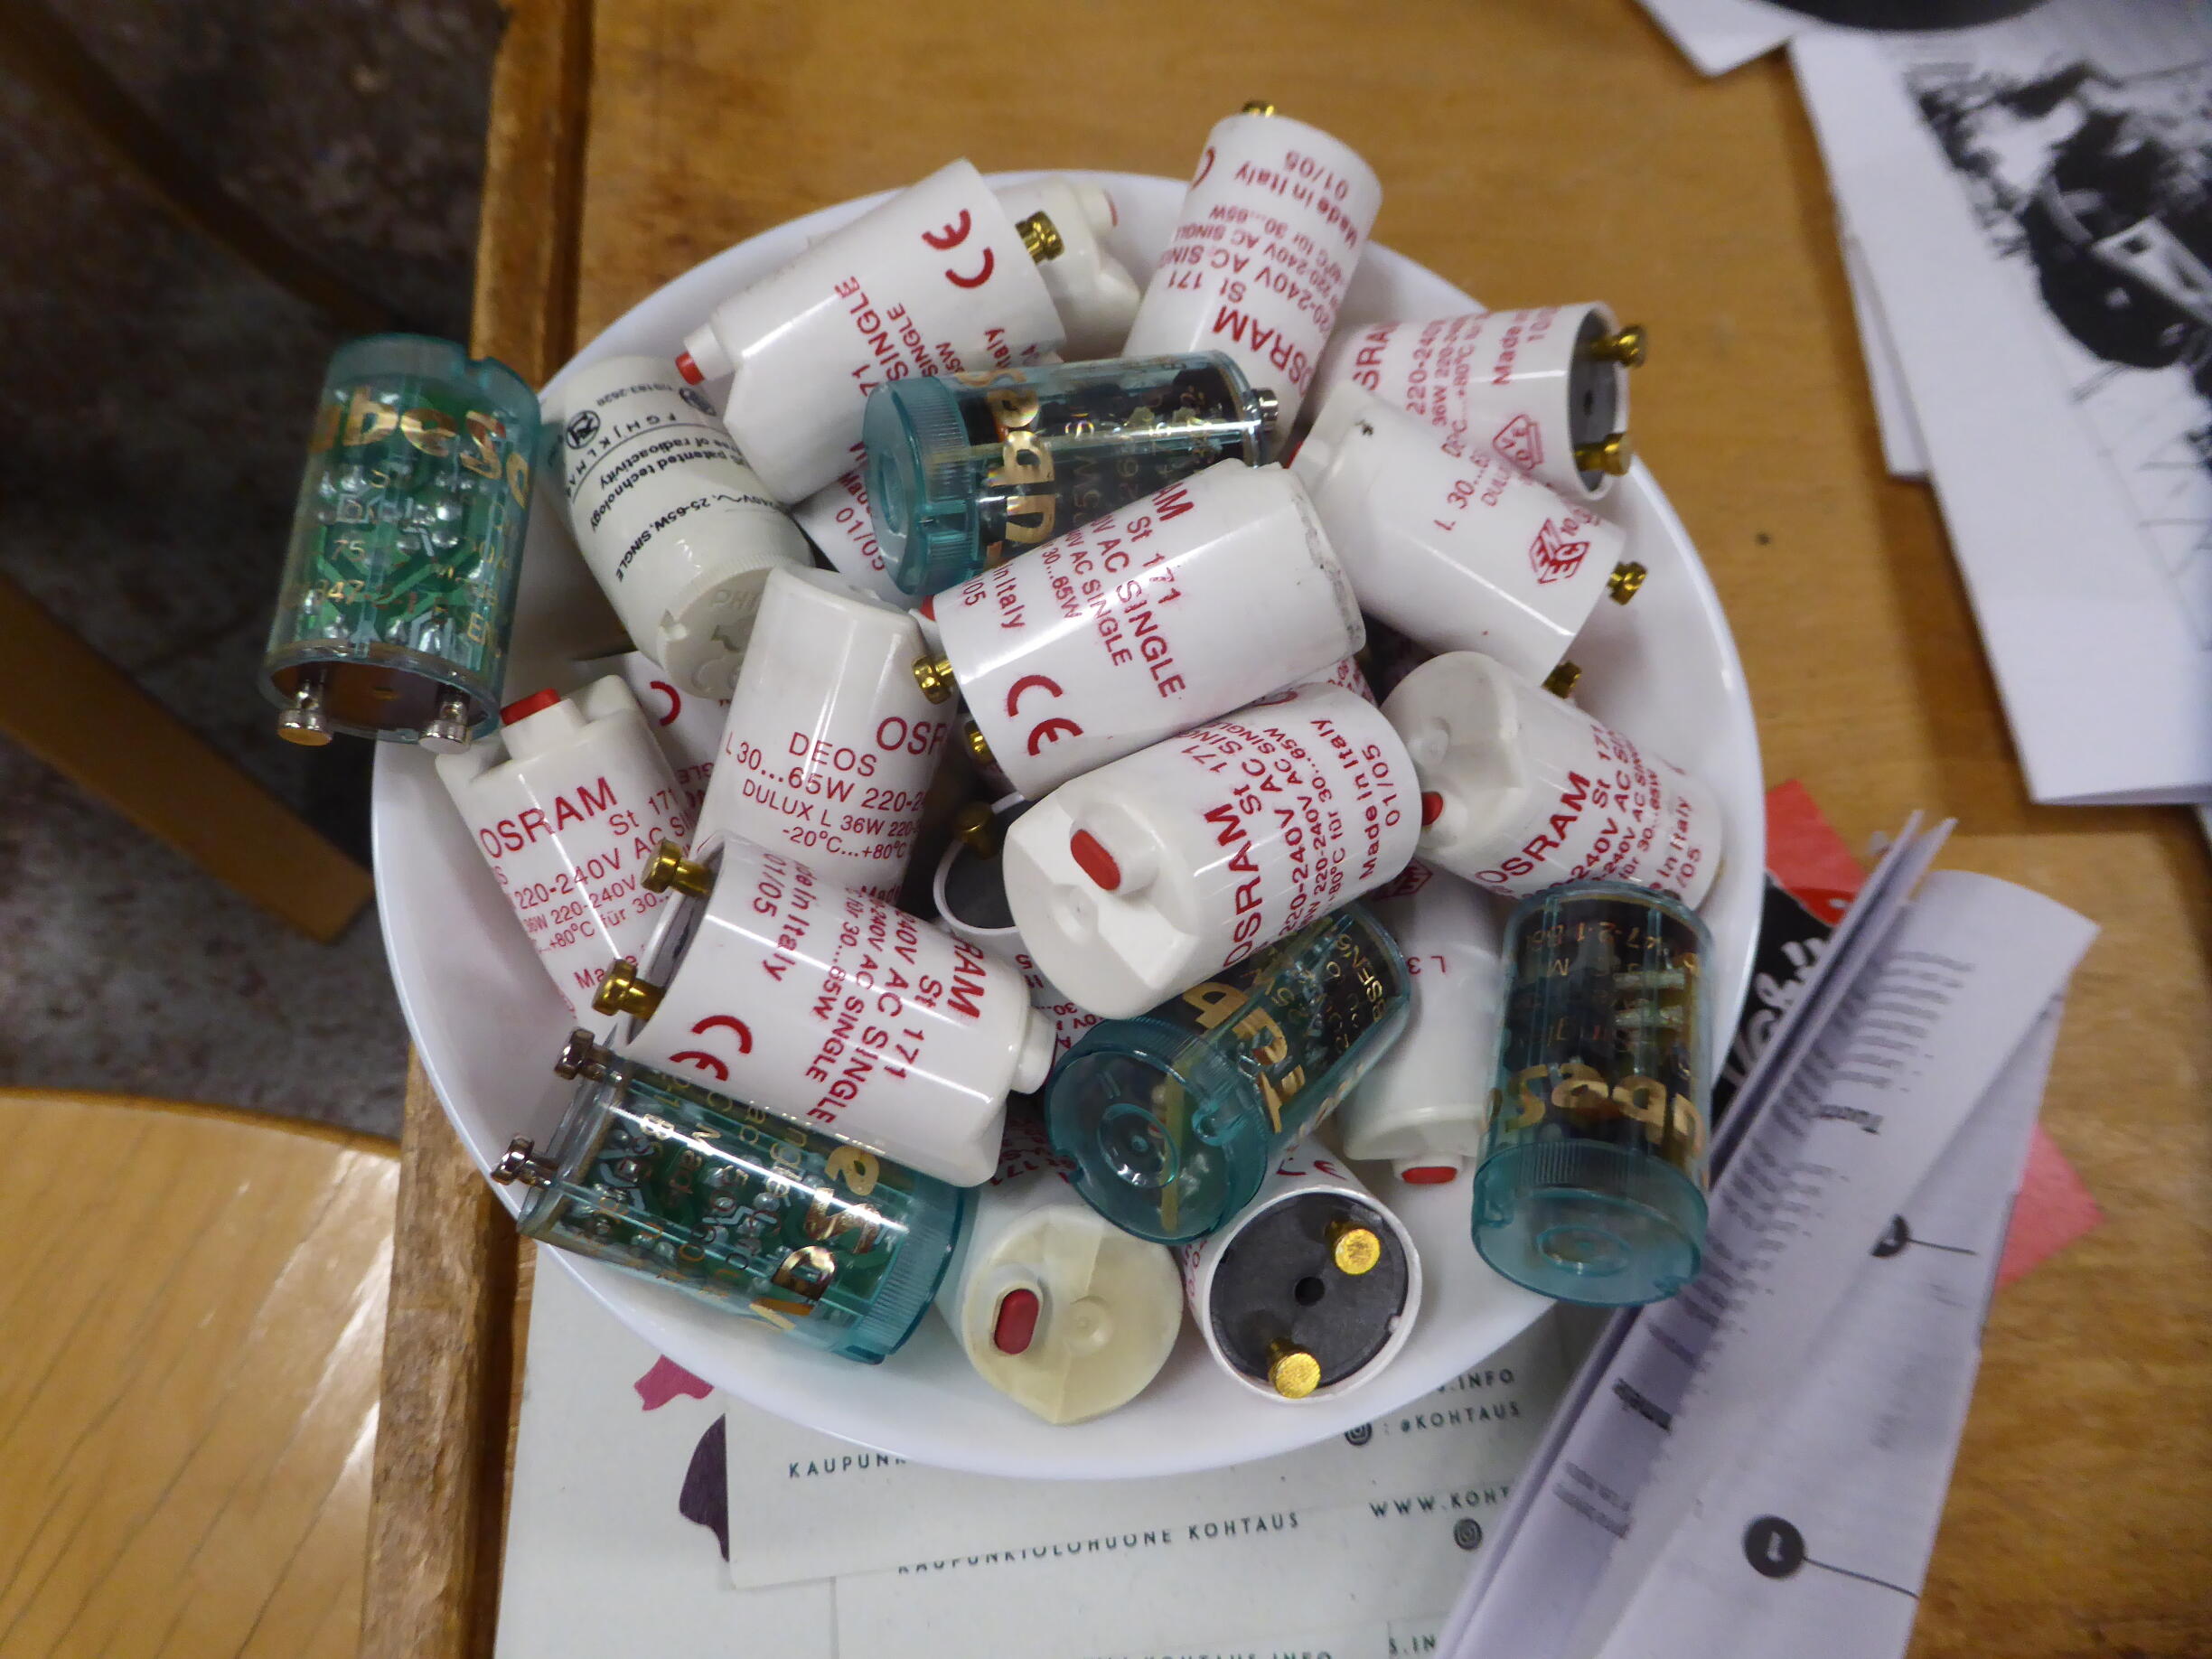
(432, 1566)
(82, 716)
(189, 1398)
(451, 1372)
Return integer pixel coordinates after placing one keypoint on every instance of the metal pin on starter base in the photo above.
(621, 991)
(934, 676)
(1292, 1373)
(1626, 346)
(1613, 456)
(667, 868)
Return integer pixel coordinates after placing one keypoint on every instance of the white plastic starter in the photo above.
(969, 888)
(1056, 1306)
(1095, 295)
(1143, 622)
(830, 1007)
(938, 279)
(1458, 551)
(835, 519)
(687, 726)
(1144, 877)
(829, 744)
(1424, 1106)
(1521, 791)
(1312, 1289)
(675, 525)
(1270, 231)
(566, 803)
(1545, 390)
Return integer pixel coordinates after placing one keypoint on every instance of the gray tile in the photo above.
(159, 391)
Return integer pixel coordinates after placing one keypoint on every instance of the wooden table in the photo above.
(1530, 152)
(192, 1303)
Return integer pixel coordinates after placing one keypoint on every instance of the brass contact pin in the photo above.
(667, 868)
(1257, 106)
(621, 991)
(1561, 680)
(1625, 582)
(1352, 1248)
(1626, 348)
(582, 1056)
(1292, 1373)
(979, 750)
(934, 676)
(1613, 456)
(977, 826)
(1040, 237)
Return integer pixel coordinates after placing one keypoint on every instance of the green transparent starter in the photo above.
(398, 584)
(823, 1241)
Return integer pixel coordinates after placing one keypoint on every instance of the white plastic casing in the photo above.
(1458, 551)
(567, 805)
(831, 1008)
(1527, 791)
(1094, 291)
(835, 519)
(674, 524)
(689, 726)
(829, 745)
(1144, 877)
(1424, 1106)
(1107, 1306)
(1311, 1168)
(1147, 621)
(1508, 382)
(972, 905)
(1272, 228)
(1347, 674)
(933, 281)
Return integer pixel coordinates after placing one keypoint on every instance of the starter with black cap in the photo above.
(1312, 1289)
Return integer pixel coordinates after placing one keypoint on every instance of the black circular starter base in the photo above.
(1277, 1281)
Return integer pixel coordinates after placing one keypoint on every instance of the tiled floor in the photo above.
(159, 390)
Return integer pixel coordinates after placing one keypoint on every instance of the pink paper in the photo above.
(665, 1381)
(2053, 1209)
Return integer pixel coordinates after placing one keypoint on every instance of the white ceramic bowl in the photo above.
(489, 1024)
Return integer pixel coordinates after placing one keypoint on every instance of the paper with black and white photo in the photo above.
(1903, 450)
(2034, 202)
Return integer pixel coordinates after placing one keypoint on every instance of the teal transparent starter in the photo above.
(1174, 1118)
(965, 471)
(399, 586)
(827, 1243)
(1592, 1184)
